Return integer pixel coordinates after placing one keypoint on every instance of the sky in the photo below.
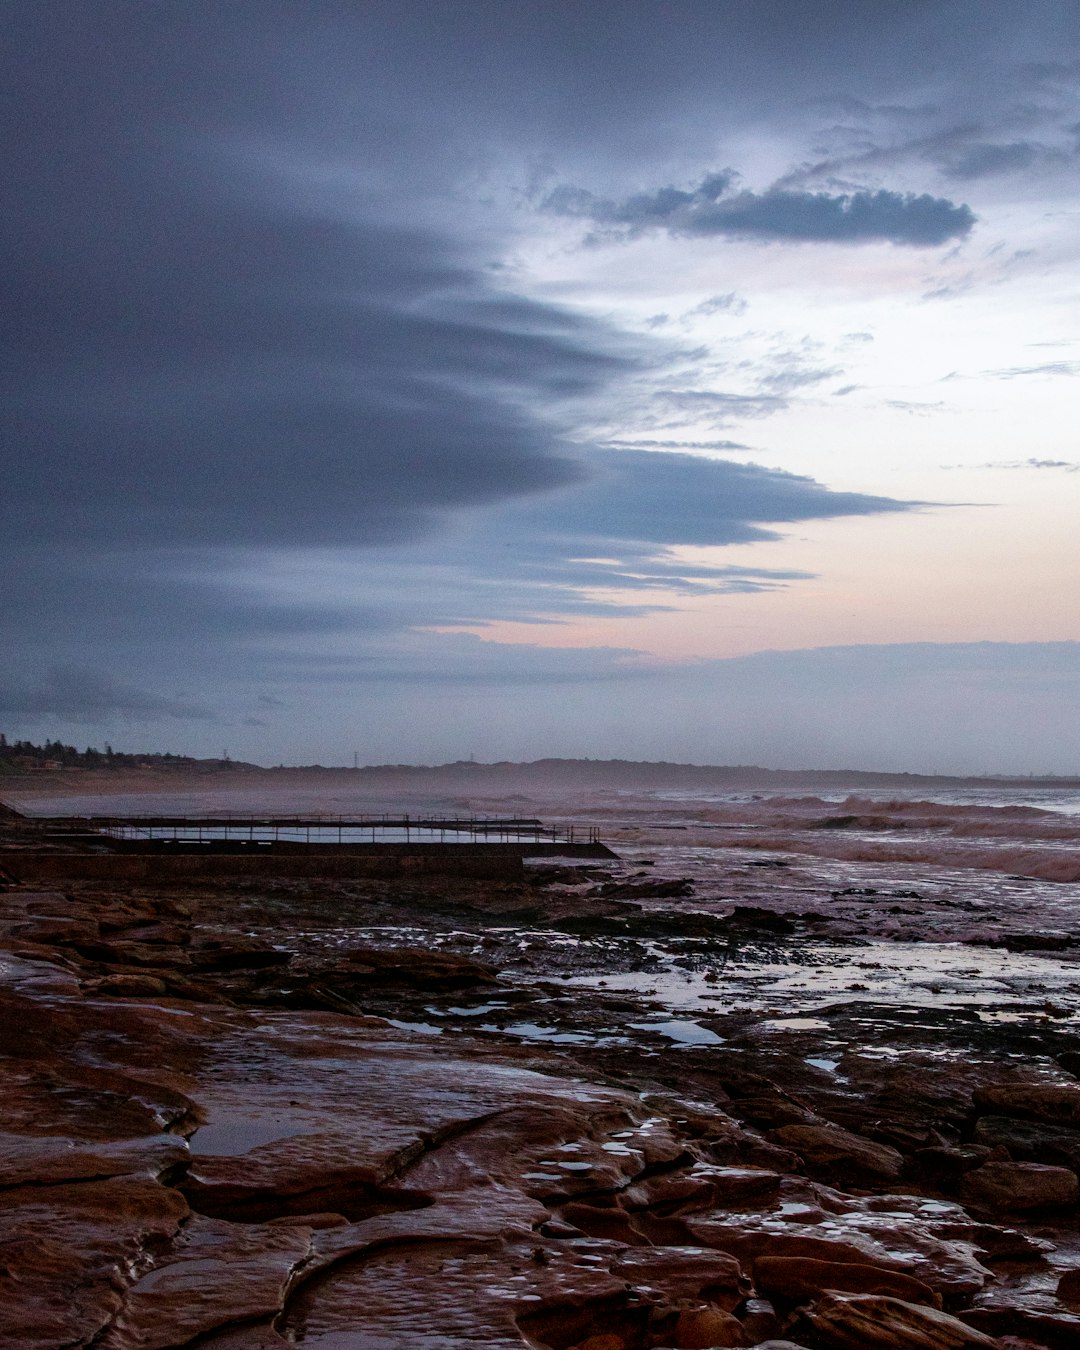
(677, 379)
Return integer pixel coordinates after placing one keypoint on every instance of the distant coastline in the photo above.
(85, 769)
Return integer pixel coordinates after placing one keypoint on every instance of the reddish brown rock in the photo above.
(219, 955)
(669, 1273)
(870, 1322)
(119, 953)
(832, 1151)
(799, 1279)
(701, 1328)
(943, 1261)
(51, 929)
(778, 1345)
(418, 968)
(1068, 1288)
(703, 1187)
(66, 1250)
(29, 1159)
(1019, 1186)
(1034, 1101)
(949, 1164)
(1031, 1140)
(212, 1274)
(128, 986)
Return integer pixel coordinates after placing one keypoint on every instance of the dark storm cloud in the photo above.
(717, 207)
(259, 380)
(198, 350)
(75, 694)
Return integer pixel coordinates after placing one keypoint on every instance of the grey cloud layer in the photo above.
(716, 207)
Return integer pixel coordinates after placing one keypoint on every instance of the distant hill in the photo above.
(597, 775)
(21, 757)
(612, 774)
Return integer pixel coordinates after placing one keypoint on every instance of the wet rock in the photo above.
(950, 1164)
(1068, 1288)
(1019, 1186)
(829, 1150)
(1030, 1140)
(65, 1252)
(778, 1345)
(214, 956)
(50, 929)
(873, 1322)
(417, 968)
(1032, 1101)
(760, 920)
(609, 1223)
(652, 889)
(120, 953)
(244, 1338)
(703, 1188)
(128, 986)
(942, 1258)
(771, 1111)
(158, 934)
(1038, 942)
(26, 1159)
(759, 1319)
(1059, 1329)
(701, 1328)
(799, 1279)
(1070, 1061)
(215, 1274)
(670, 1273)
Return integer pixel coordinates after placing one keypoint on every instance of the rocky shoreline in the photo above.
(468, 1113)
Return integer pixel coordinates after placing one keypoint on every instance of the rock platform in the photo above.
(247, 1118)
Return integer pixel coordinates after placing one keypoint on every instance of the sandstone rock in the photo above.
(871, 1322)
(799, 1279)
(1033, 1101)
(233, 955)
(1019, 1186)
(158, 934)
(65, 1253)
(703, 1188)
(1021, 1326)
(1031, 1140)
(950, 1164)
(1068, 1288)
(701, 1328)
(215, 1274)
(759, 1319)
(52, 929)
(771, 1111)
(244, 1338)
(29, 1159)
(417, 968)
(118, 953)
(835, 1152)
(778, 1345)
(667, 1273)
(943, 1258)
(1070, 1061)
(129, 986)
